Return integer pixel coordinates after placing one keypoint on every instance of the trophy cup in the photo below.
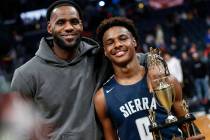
(161, 85)
(164, 94)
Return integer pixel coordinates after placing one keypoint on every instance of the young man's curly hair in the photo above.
(116, 21)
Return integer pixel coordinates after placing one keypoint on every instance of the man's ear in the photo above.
(105, 52)
(49, 30)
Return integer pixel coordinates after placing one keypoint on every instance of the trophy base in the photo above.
(180, 121)
(170, 119)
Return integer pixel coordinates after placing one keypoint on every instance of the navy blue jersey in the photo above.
(127, 106)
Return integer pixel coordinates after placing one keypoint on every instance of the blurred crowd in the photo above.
(182, 34)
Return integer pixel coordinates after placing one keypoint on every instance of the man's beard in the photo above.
(63, 45)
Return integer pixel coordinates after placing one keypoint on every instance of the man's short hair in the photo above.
(116, 21)
(60, 3)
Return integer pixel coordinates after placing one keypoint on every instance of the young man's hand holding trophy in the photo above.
(168, 94)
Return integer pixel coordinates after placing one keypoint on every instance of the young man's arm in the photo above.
(178, 108)
(100, 106)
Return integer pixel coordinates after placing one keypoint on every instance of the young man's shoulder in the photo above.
(142, 57)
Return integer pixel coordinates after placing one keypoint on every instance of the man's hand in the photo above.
(197, 137)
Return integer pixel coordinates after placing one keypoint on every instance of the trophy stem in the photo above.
(193, 129)
(188, 129)
(157, 135)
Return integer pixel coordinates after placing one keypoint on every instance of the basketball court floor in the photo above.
(203, 123)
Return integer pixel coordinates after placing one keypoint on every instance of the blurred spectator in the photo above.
(4, 84)
(91, 10)
(7, 61)
(208, 20)
(159, 38)
(183, 15)
(18, 119)
(193, 49)
(19, 48)
(207, 53)
(207, 37)
(199, 72)
(174, 65)
(174, 47)
(150, 40)
(185, 44)
(188, 84)
(177, 28)
(207, 43)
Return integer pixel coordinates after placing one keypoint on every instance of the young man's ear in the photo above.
(134, 42)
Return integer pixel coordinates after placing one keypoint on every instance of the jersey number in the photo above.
(143, 128)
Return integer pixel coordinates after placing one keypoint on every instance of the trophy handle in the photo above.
(190, 127)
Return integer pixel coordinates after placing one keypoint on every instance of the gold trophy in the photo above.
(164, 94)
(161, 85)
(163, 91)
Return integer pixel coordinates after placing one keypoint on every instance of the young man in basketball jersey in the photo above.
(122, 103)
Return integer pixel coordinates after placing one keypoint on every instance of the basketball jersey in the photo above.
(127, 106)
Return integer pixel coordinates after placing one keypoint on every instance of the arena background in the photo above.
(175, 26)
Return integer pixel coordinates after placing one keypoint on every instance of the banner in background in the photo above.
(162, 4)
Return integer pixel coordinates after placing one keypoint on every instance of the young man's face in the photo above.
(119, 45)
(65, 26)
